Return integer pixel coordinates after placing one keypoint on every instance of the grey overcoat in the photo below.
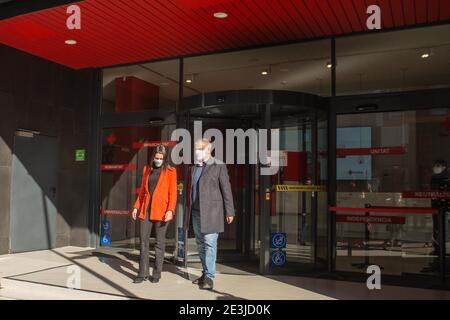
(215, 197)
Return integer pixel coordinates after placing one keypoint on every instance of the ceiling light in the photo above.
(189, 78)
(329, 65)
(267, 71)
(70, 42)
(220, 15)
(425, 55)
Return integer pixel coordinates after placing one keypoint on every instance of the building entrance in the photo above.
(280, 220)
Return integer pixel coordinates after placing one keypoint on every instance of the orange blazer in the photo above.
(164, 196)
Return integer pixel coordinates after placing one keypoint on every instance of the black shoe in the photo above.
(200, 280)
(207, 284)
(140, 279)
(154, 280)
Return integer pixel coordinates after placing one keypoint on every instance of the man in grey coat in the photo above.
(211, 200)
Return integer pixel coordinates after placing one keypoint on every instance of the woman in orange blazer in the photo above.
(156, 207)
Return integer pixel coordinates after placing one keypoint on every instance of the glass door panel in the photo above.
(125, 151)
(384, 161)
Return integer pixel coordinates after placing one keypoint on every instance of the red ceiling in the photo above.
(124, 31)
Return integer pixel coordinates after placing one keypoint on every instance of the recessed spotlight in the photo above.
(188, 81)
(329, 65)
(425, 55)
(267, 71)
(220, 15)
(70, 42)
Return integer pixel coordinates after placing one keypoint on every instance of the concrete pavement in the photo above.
(109, 274)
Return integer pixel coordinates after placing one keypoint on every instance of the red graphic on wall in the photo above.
(111, 212)
(446, 124)
(297, 168)
(118, 167)
(344, 152)
(111, 139)
(134, 94)
(370, 219)
(398, 210)
(151, 144)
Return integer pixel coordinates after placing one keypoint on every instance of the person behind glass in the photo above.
(211, 200)
(440, 181)
(156, 207)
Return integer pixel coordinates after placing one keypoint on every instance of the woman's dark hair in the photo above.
(164, 151)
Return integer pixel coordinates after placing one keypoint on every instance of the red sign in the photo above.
(118, 167)
(370, 219)
(343, 152)
(426, 194)
(111, 139)
(111, 212)
(150, 144)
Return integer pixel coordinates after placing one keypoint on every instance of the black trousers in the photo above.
(160, 230)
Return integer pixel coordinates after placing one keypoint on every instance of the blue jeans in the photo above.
(207, 246)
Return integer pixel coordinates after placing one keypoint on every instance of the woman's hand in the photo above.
(168, 216)
(134, 214)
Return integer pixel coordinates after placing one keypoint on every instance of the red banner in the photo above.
(401, 210)
(118, 167)
(343, 152)
(150, 144)
(111, 212)
(426, 194)
(370, 219)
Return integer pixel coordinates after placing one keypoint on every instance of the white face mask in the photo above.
(157, 162)
(202, 154)
(438, 169)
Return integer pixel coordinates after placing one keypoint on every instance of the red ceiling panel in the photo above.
(125, 31)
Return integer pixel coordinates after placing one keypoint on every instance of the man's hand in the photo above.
(134, 214)
(168, 216)
(230, 219)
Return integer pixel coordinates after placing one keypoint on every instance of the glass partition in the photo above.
(385, 163)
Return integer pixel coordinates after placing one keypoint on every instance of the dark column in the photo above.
(264, 187)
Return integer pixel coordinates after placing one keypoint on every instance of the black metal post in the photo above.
(331, 164)
(264, 251)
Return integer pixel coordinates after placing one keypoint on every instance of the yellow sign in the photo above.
(180, 187)
(299, 188)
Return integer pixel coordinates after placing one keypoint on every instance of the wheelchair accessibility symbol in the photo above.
(106, 239)
(278, 240)
(278, 258)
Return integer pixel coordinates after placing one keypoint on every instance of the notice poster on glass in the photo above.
(354, 167)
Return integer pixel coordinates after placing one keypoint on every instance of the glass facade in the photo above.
(385, 212)
(385, 160)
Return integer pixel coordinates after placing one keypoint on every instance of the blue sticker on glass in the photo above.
(278, 240)
(106, 225)
(278, 258)
(105, 239)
